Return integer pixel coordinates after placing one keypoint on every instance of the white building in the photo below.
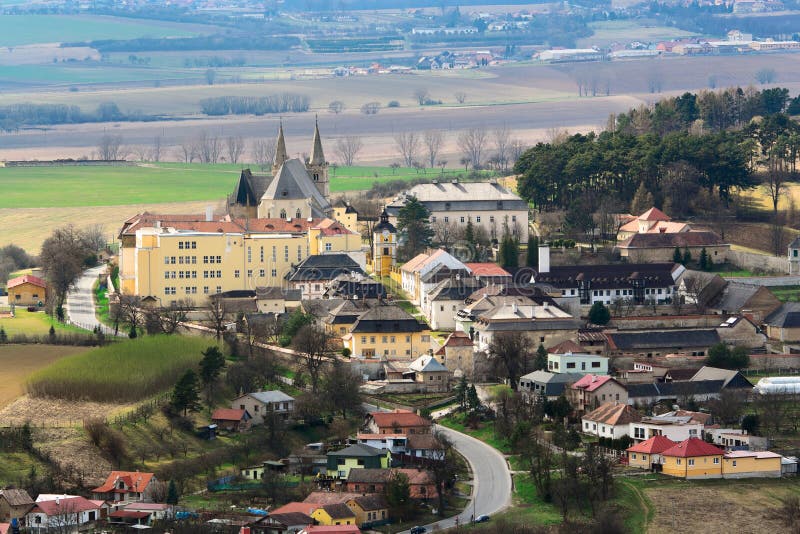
(577, 363)
(423, 272)
(676, 428)
(610, 420)
(260, 403)
(63, 514)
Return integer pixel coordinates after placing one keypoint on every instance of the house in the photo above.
(14, 504)
(289, 523)
(27, 290)
(676, 428)
(345, 213)
(794, 256)
(331, 529)
(732, 379)
(457, 354)
(484, 300)
(354, 286)
(549, 385)
(784, 323)
(655, 247)
(387, 330)
(577, 363)
(371, 510)
(610, 420)
(541, 324)
(693, 458)
(277, 300)
(357, 456)
(397, 422)
(421, 482)
(490, 273)
(654, 343)
(126, 486)
(564, 347)
(648, 454)
(261, 403)
(339, 319)
(591, 391)
(314, 273)
(487, 205)
(431, 375)
(423, 272)
(446, 298)
(306, 508)
(736, 439)
(231, 419)
(395, 443)
(751, 464)
(713, 294)
(63, 513)
(334, 514)
(675, 392)
(156, 511)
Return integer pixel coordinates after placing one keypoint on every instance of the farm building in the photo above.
(27, 290)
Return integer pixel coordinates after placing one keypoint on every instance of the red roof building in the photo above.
(26, 279)
(397, 422)
(127, 486)
(649, 454)
(231, 419)
(693, 447)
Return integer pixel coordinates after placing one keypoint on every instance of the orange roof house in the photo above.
(647, 454)
(231, 419)
(397, 422)
(27, 290)
(693, 458)
(610, 420)
(127, 486)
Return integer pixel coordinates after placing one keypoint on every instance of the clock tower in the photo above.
(384, 246)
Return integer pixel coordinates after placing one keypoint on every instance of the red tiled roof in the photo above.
(591, 382)
(654, 214)
(122, 514)
(324, 498)
(693, 447)
(331, 227)
(278, 225)
(487, 269)
(456, 339)
(70, 505)
(402, 418)
(134, 480)
(306, 508)
(654, 445)
(565, 347)
(227, 414)
(613, 414)
(26, 279)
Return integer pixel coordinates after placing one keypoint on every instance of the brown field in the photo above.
(18, 361)
(55, 411)
(743, 506)
(33, 225)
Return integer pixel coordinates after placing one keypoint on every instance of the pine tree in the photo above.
(185, 396)
(704, 260)
(677, 257)
(540, 364)
(502, 252)
(473, 401)
(172, 493)
(132, 334)
(211, 366)
(687, 256)
(461, 392)
(642, 200)
(532, 257)
(599, 314)
(414, 228)
(469, 233)
(3, 335)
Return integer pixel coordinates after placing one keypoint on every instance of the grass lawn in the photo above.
(415, 399)
(16, 466)
(34, 324)
(55, 187)
(786, 293)
(485, 432)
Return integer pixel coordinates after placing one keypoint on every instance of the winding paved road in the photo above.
(79, 307)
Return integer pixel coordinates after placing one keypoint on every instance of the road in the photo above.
(80, 308)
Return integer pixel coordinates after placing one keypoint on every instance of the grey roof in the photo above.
(664, 339)
(387, 318)
(324, 267)
(554, 383)
(460, 196)
(611, 276)
(359, 449)
(317, 155)
(795, 243)
(320, 308)
(728, 376)
(675, 389)
(280, 148)
(426, 364)
(16, 497)
(250, 188)
(734, 297)
(529, 325)
(452, 289)
(442, 272)
(787, 316)
(292, 183)
(275, 292)
(271, 396)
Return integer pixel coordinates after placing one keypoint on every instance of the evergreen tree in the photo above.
(3, 335)
(172, 493)
(532, 257)
(599, 314)
(461, 392)
(132, 334)
(540, 364)
(185, 396)
(211, 366)
(642, 200)
(687, 256)
(473, 401)
(677, 257)
(413, 228)
(469, 233)
(704, 260)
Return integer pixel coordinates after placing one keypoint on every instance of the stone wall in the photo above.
(758, 263)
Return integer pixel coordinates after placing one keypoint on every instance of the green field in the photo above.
(125, 371)
(33, 324)
(16, 30)
(60, 187)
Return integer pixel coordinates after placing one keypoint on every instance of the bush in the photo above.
(393, 104)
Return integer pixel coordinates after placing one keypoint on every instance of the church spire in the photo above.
(317, 156)
(280, 150)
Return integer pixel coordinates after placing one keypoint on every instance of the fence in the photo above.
(141, 411)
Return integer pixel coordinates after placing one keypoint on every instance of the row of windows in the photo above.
(186, 245)
(188, 260)
(189, 290)
(180, 274)
(285, 253)
(212, 259)
(212, 274)
(463, 219)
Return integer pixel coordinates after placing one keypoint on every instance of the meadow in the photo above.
(125, 371)
(33, 324)
(19, 361)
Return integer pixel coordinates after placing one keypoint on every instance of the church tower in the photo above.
(384, 246)
(280, 152)
(317, 166)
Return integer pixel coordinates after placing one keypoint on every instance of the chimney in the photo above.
(514, 307)
(544, 258)
(158, 224)
(209, 213)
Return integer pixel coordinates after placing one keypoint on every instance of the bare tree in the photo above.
(217, 315)
(142, 152)
(315, 346)
(171, 317)
(461, 97)
(511, 353)
(408, 145)
(515, 149)
(109, 147)
(502, 139)
(348, 148)
(433, 140)
(371, 108)
(421, 95)
(445, 234)
(443, 467)
(472, 143)
(94, 237)
(337, 106)
(235, 146)
(155, 152)
(130, 311)
(62, 258)
(187, 151)
(263, 152)
(208, 147)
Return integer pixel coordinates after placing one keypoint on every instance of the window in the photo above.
(513, 218)
(297, 214)
(262, 273)
(249, 273)
(274, 272)
(236, 273)
(286, 253)
(716, 461)
(283, 212)
(219, 289)
(433, 219)
(328, 247)
(205, 290)
(691, 462)
(447, 219)
(677, 461)
(299, 253)
(249, 254)
(633, 456)
(462, 219)
(180, 245)
(595, 365)
(262, 254)
(478, 218)
(734, 462)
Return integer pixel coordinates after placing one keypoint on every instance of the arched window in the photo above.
(283, 214)
(316, 177)
(298, 214)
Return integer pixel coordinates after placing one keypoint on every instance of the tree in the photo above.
(63, 257)
(172, 493)
(414, 228)
(341, 389)
(398, 496)
(208, 147)
(109, 147)
(508, 253)
(460, 96)
(421, 95)
(765, 76)
(185, 396)
(642, 200)
(502, 138)
(599, 314)
(677, 257)
(472, 144)
(473, 401)
(443, 467)
(263, 152)
(371, 108)
(347, 148)
(314, 345)
(217, 314)
(235, 146)
(540, 363)
(211, 366)
(705, 261)
(532, 254)
(687, 256)
(337, 106)
(461, 392)
(720, 355)
(510, 353)
(408, 145)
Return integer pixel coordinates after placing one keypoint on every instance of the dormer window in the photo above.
(283, 214)
(447, 205)
(316, 177)
(297, 214)
(284, 193)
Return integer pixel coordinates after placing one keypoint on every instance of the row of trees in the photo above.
(246, 105)
(15, 116)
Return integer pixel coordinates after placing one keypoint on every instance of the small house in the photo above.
(647, 454)
(27, 290)
(334, 514)
(261, 403)
(14, 504)
(397, 422)
(693, 459)
(236, 420)
(126, 486)
(370, 510)
(357, 456)
(71, 511)
(610, 420)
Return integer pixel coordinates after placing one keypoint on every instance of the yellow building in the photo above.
(647, 454)
(750, 464)
(334, 514)
(347, 215)
(387, 330)
(358, 456)
(27, 290)
(693, 458)
(384, 246)
(370, 510)
(191, 257)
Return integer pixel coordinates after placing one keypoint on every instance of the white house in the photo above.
(610, 420)
(423, 272)
(397, 443)
(258, 404)
(577, 363)
(676, 428)
(62, 513)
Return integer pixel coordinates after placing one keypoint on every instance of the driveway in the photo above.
(79, 307)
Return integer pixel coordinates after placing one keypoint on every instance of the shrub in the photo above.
(393, 104)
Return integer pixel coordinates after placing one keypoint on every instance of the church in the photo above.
(296, 189)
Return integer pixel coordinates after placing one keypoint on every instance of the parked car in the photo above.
(418, 530)
(482, 518)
